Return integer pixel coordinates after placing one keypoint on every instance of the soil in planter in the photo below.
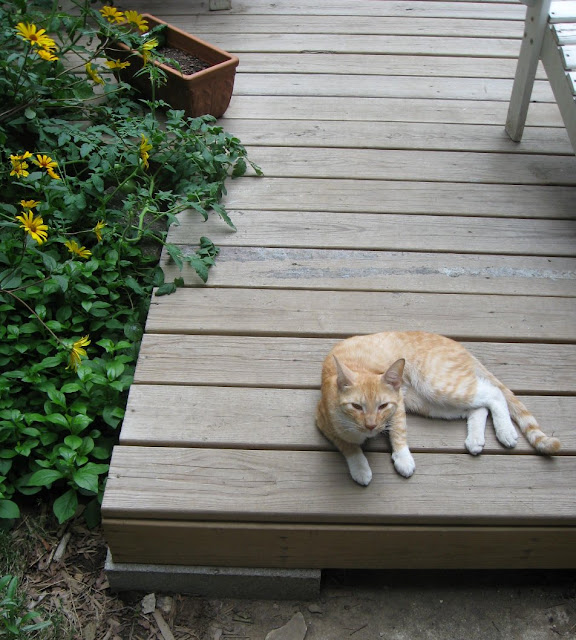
(189, 64)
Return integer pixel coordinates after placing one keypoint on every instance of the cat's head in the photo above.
(367, 400)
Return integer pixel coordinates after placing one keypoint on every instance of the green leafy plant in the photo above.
(15, 620)
(91, 180)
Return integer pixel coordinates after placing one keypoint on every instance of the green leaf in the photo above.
(70, 387)
(44, 477)
(133, 331)
(74, 442)
(86, 479)
(10, 279)
(84, 288)
(224, 215)
(57, 419)
(9, 509)
(165, 289)
(65, 506)
(176, 255)
(86, 149)
(79, 423)
(114, 369)
(56, 396)
(62, 282)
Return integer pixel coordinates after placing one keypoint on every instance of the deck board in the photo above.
(437, 110)
(389, 64)
(333, 313)
(403, 196)
(208, 416)
(341, 230)
(387, 271)
(392, 199)
(411, 135)
(306, 486)
(296, 362)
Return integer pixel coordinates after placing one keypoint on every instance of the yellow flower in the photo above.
(19, 166)
(135, 18)
(147, 48)
(19, 169)
(77, 250)
(29, 204)
(117, 64)
(112, 14)
(35, 36)
(46, 54)
(92, 73)
(76, 352)
(145, 146)
(98, 230)
(46, 162)
(35, 227)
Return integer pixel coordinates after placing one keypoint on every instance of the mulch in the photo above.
(65, 581)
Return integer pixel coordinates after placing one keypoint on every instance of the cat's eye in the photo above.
(383, 406)
(356, 406)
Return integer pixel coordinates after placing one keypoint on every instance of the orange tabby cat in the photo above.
(369, 382)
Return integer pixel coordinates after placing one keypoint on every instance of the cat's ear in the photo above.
(346, 377)
(393, 376)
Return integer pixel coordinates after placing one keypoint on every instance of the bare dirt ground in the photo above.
(63, 577)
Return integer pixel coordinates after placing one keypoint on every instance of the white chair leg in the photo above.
(535, 25)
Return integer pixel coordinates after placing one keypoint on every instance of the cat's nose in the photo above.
(370, 427)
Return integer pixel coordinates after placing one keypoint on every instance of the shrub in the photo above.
(91, 180)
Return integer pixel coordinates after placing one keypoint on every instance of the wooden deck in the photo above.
(392, 199)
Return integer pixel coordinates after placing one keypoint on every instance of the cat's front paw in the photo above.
(404, 462)
(360, 469)
(474, 445)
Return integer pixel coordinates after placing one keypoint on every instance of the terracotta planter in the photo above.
(204, 92)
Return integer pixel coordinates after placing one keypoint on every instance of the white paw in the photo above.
(474, 445)
(360, 469)
(404, 462)
(508, 436)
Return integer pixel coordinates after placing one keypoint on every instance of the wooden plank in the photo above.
(238, 43)
(569, 56)
(393, 135)
(401, 197)
(244, 418)
(247, 361)
(314, 486)
(423, 166)
(367, 86)
(340, 546)
(278, 268)
(412, 8)
(385, 65)
(385, 110)
(331, 230)
(264, 312)
(349, 25)
(565, 33)
(563, 11)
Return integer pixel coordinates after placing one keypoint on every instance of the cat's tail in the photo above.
(528, 424)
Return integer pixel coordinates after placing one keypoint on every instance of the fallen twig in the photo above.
(164, 628)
